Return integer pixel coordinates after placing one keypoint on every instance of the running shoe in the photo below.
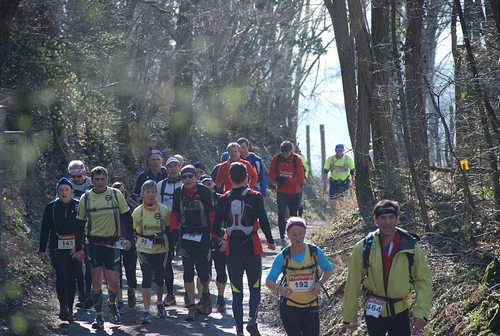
(114, 314)
(221, 304)
(64, 314)
(160, 310)
(169, 300)
(98, 322)
(192, 313)
(131, 297)
(146, 318)
(205, 304)
(252, 328)
(80, 304)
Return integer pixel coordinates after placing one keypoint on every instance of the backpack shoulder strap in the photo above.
(162, 188)
(367, 246)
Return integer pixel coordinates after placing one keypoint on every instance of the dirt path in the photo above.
(214, 324)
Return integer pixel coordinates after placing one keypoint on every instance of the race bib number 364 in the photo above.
(374, 307)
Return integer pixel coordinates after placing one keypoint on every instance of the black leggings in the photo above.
(300, 321)
(196, 254)
(65, 268)
(129, 261)
(219, 260)
(169, 271)
(397, 325)
(236, 266)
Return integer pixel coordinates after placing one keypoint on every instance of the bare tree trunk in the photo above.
(182, 117)
(364, 191)
(488, 115)
(384, 147)
(345, 50)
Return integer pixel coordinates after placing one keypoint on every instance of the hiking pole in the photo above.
(327, 303)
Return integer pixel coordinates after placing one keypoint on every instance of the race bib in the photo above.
(301, 282)
(144, 243)
(66, 242)
(374, 307)
(196, 237)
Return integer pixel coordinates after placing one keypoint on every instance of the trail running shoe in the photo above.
(221, 304)
(192, 313)
(64, 314)
(131, 298)
(205, 304)
(160, 310)
(114, 314)
(169, 300)
(146, 318)
(252, 328)
(98, 322)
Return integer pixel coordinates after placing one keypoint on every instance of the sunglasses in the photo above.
(76, 176)
(187, 176)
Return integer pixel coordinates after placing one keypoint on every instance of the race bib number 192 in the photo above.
(301, 282)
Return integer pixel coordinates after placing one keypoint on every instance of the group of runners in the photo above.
(204, 218)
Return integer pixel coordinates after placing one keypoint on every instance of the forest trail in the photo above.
(216, 324)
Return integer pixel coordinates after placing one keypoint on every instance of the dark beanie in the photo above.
(188, 169)
(64, 181)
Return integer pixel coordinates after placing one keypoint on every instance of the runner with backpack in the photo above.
(389, 269)
(300, 284)
(242, 209)
(288, 172)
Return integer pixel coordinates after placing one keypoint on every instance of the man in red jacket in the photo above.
(222, 180)
(288, 172)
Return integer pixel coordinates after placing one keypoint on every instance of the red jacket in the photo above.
(293, 172)
(223, 175)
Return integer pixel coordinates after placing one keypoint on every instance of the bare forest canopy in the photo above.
(104, 81)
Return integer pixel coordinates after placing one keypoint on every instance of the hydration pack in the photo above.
(241, 215)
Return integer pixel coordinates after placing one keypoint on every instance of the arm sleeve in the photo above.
(276, 268)
(127, 219)
(79, 234)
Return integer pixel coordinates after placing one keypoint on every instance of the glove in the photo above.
(280, 180)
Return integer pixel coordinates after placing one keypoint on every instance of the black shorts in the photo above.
(100, 255)
(338, 188)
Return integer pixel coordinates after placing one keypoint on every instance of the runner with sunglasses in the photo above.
(191, 220)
